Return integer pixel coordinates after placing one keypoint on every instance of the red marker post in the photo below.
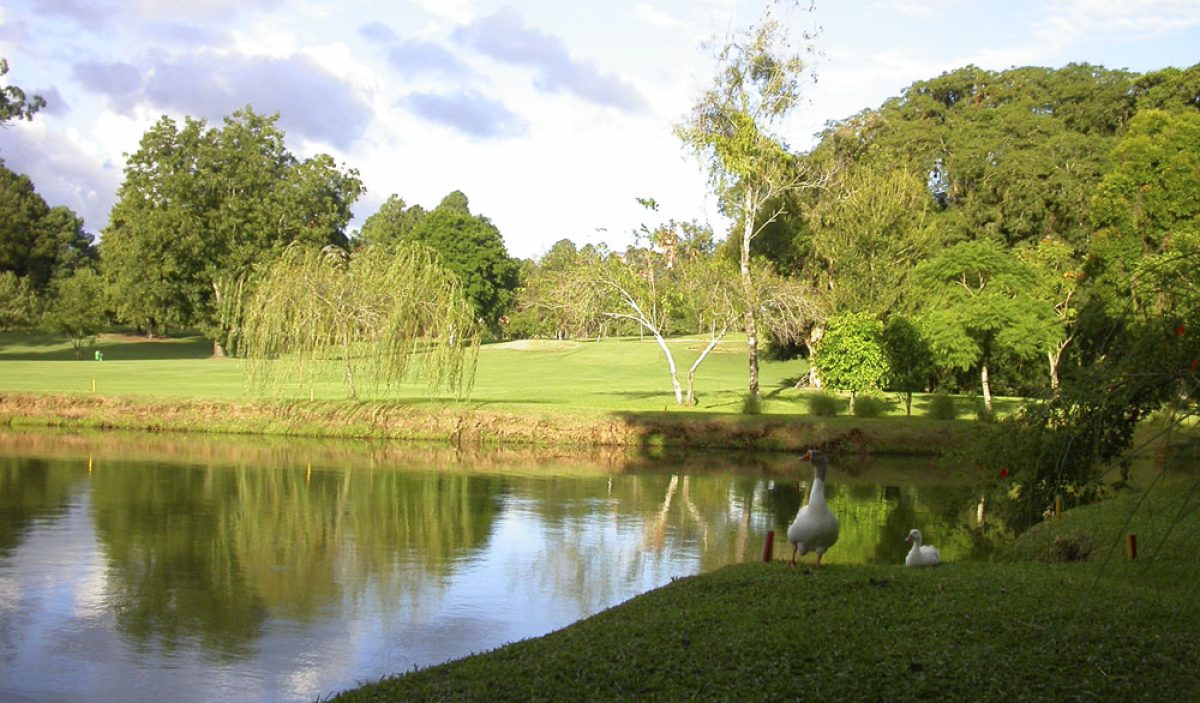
(769, 546)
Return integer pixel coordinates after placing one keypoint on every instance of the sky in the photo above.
(552, 116)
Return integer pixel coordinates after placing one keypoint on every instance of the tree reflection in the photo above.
(173, 574)
(208, 543)
(213, 552)
(32, 489)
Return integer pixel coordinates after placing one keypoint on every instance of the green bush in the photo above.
(751, 405)
(824, 404)
(941, 407)
(869, 406)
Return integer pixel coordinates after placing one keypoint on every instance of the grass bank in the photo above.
(645, 432)
(1020, 630)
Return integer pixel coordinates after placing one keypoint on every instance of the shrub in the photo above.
(824, 404)
(869, 406)
(941, 407)
(751, 405)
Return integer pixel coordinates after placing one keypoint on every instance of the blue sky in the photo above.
(552, 116)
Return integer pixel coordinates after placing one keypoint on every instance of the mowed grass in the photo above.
(1103, 629)
(540, 377)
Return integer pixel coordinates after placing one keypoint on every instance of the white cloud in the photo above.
(459, 11)
(65, 170)
(470, 113)
(505, 36)
(1069, 19)
(199, 9)
(657, 17)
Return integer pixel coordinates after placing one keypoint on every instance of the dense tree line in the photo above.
(983, 231)
(1005, 217)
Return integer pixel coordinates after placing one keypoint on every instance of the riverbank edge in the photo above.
(345, 419)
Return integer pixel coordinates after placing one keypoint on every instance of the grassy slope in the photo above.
(1101, 630)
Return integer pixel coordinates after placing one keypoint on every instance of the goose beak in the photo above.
(807, 456)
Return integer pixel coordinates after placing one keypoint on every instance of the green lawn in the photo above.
(1105, 629)
(615, 375)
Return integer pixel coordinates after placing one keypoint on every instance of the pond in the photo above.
(157, 567)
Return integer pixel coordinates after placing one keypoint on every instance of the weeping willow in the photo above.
(380, 316)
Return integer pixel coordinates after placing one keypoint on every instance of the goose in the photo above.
(918, 555)
(815, 527)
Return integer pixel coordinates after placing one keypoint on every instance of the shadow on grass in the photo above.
(639, 395)
(16, 346)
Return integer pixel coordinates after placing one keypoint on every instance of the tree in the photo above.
(77, 309)
(730, 129)
(868, 230)
(16, 301)
(1068, 444)
(382, 315)
(207, 204)
(14, 103)
(676, 285)
(979, 304)
(1013, 155)
(1058, 279)
(37, 242)
(473, 249)
(909, 359)
(635, 287)
(537, 312)
(393, 222)
(851, 355)
(1149, 197)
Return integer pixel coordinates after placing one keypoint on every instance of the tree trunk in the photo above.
(691, 377)
(908, 403)
(218, 350)
(814, 337)
(987, 388)
(671, 365)
(748, 215)
(1055, 359)
(349, 371)
(853, 397)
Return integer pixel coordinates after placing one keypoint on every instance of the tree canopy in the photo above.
(979, 306)
(473, 249)
(392, 222)
(14, 103)
(1146, 202)
(38, 243)
(77, 310)
(851, 355)
(203, 205)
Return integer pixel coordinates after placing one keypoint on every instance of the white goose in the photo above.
(920, 555)
(815, 527)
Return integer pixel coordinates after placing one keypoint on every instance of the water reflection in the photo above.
(134, 565)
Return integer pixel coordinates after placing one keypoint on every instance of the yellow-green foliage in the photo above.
(387, 313)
